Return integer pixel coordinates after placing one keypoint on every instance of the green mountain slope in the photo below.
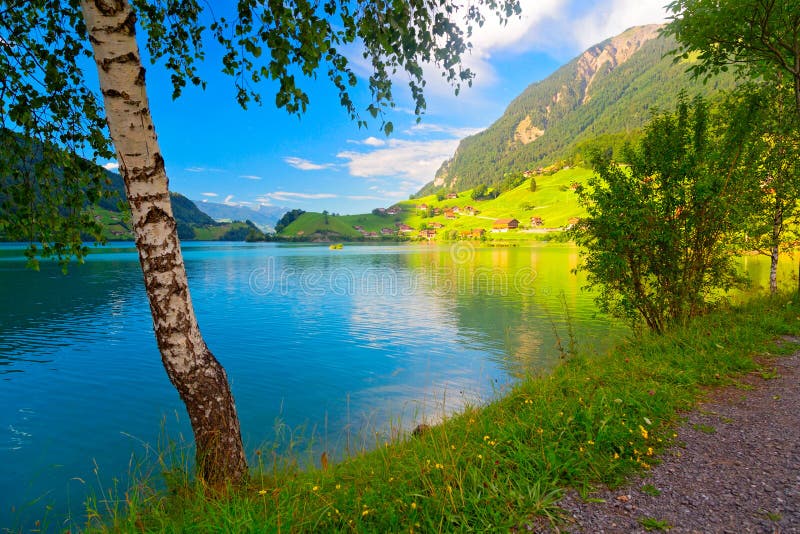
(603, 97)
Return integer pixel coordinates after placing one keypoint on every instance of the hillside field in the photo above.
(554, 201)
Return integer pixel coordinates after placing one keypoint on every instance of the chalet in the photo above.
(537, 221)
(358, 227)
(437, 225)
(504, 225)
(469, 210)
(381, 211)
(452, 195)
(404, 228)
(394, 210)
(478, 232)
(427, 234)
(370, 234)
(449, 214)
(387, 231)
(455, 209)
(572, 222)
(422, 207)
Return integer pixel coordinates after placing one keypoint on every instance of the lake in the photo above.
(323, 347)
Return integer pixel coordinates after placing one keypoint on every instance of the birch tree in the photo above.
(49, 108)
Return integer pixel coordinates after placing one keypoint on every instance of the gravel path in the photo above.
(735, 468)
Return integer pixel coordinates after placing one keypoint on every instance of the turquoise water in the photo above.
(336, 345)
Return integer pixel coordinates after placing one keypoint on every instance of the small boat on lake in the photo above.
(336, 246)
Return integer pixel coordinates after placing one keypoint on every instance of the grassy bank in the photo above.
(592, 420)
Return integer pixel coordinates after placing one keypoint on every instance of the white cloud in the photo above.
(413, 161)
(228, 200)
(209, 194)
(195, 169)
(606, 19)
(373, 141)
(111, 166)
(250, 177)
(305, 165)
(460, 132)
(289, 196)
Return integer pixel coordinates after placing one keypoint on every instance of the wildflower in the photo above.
(540, 430)
(262, 492)
(453, 447)
(480, 457)
(580, 449)
(643, 430)
(391, 479)
(485, 438)
(439, 466)
(338, 486)
(493, 443)
(616, 456)
(649, 451)
(413, 506)
(365, 512)
(590, 442)
(315, 488)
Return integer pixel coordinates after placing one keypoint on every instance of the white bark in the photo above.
(191, 367)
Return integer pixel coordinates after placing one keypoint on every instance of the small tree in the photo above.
(655, 239)
(533, 184)
(773, 164)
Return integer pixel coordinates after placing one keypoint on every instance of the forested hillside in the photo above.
(602, 98)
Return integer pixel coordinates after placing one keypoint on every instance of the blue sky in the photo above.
(218, 152)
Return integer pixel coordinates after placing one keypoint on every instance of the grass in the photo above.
(592, 420)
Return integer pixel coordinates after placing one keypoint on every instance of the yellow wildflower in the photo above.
(413, 506)
(262, 492)
(315, 488)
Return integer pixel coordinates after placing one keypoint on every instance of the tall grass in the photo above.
(593, 420)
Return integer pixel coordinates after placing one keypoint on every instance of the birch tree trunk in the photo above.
(192, 369)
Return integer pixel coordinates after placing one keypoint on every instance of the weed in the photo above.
(650, 523)
(705, 429)
(649, 489)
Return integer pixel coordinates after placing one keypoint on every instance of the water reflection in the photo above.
(337, 341)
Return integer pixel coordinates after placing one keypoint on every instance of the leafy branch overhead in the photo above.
(288, 41)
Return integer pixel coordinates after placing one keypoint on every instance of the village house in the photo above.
(537, 221)
(404, 228)
(422, 207)
(452, 195)
(387, 231)
(504, 225)
(437, 225)
(449, 214)
(358, 227)
(469, 210)
(478, 232)
(572, 222)
(394, 210)
(427, 234)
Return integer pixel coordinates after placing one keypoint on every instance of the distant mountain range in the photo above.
(264, 217)
(602, 97)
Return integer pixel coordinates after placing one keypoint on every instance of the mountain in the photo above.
(603, 97)
(265, 217)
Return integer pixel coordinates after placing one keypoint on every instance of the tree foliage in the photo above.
(656, 239)
(760, 39)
